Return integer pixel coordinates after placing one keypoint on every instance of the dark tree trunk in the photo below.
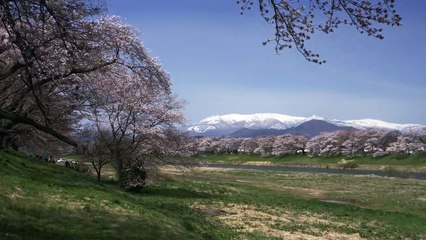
(119, 162)
(46, 129)
(4, 141)
(99, 170)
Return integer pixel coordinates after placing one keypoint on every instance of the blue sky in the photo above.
(218, 64)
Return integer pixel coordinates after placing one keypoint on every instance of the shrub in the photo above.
(347, 164)
(134, 178)
(379, 154)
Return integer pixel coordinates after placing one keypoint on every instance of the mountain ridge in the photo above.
(230, 124)
(310, 128)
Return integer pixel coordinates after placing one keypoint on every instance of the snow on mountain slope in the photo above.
(251, 121)
(373, 123)
(258, 117)
(281, 121)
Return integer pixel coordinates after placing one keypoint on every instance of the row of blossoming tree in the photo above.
(346, 143)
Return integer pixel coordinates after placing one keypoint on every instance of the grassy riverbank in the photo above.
(41, 201)
(411, 162)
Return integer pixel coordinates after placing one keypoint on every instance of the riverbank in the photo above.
(408, 163)
(339, 171)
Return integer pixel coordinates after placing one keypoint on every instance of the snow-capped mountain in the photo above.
(221, 125)
(250, 121)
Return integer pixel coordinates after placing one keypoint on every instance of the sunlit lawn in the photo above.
(41, 201)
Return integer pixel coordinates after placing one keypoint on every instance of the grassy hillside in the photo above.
(41, 201)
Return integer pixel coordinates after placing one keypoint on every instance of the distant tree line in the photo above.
(374, 143)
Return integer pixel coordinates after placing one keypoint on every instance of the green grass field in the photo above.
(400, 161)
(42, 201)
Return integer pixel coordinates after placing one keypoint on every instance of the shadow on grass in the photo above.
(37, 222)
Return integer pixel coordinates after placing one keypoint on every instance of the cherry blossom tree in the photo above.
(44, 46)
(248, 145)
(326, 144)
(288, 144)
(378, 140)
(265, 146)
(407, 144)
(93, 142)
(295, 21)
(374, 142)
(203, 144)
(48, 49)
(63, 62)
(133, 101)
(228, 145)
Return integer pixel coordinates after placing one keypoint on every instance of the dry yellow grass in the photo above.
(258, 163)
(247, 219)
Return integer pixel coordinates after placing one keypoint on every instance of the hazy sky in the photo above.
(218, 64)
